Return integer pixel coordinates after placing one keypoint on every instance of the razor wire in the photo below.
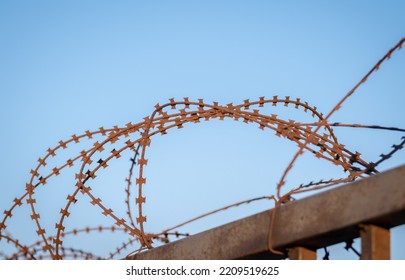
(317, 137)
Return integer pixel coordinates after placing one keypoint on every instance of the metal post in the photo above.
(301, 253)
(375, 243)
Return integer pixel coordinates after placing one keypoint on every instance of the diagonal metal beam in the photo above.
(324, 219)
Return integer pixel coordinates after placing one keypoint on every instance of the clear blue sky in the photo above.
(69, 66)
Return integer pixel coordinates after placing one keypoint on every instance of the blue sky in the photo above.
(66, 67)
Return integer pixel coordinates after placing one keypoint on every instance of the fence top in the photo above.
(320, 220)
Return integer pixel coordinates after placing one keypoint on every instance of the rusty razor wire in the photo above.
(317, 138)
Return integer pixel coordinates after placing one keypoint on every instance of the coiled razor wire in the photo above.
(316, 137)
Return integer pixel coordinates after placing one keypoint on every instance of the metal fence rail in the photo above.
(366, 209)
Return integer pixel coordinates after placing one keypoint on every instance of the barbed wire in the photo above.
(318, 138)
(354, 172)
(349, 247)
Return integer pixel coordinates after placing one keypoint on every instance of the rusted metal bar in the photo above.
(314, 222)
(242, 239)
(301, 253)
(375, 243)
